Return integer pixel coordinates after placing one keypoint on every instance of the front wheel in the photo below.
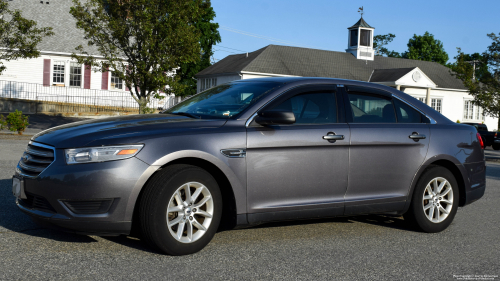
(180, 210)
(435, 200)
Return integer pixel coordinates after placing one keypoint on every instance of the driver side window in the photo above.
(311, 108)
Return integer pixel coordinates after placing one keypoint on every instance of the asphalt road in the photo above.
(354, 248)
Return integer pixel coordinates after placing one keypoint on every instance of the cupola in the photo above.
(360, 40)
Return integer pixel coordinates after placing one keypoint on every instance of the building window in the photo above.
(421, 99)
(479, 113)
(468, 110)
(75, 75)
(116, 82)
(436, 104)
(365, 38)
(58, 73)
(208, 83)
(354, 37)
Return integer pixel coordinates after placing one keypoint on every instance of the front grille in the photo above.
(36, 202)
(89, 207)
(36, 158)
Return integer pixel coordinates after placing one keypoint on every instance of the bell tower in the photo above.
(360, 39)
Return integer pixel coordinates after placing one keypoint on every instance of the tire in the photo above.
(429, 220)
(161, 229)
(496, 146)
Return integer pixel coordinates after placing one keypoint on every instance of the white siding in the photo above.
(24, 70)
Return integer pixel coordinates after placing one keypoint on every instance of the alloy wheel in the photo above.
(437, 200)
(190, 212)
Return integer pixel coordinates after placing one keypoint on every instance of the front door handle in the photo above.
(333, 137)
(417, 137)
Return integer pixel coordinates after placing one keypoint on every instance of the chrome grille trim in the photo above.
(38, 152)
(36, 158)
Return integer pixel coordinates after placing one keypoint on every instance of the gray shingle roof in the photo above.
(56, 15)
(389, 75)
(306, 62)
(361, 23)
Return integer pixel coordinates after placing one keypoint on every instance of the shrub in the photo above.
(458, 121)
(17, 122)
(3, 122)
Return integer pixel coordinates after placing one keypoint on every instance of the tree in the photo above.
(142, 41)
(426, 48)
(486, 87)
(379, 41)
(19, 37)
(209, 37)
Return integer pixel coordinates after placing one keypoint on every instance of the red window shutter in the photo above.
(86, 77)
(104, 83)
(46, 72)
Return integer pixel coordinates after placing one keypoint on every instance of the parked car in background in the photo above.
(248, 152)
(488, 137)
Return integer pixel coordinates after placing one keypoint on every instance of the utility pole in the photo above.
(473, 62)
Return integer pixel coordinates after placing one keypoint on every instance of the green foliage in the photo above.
(458, 121)
(16, 121)
(19, 37)
(481, 73)
(486, 87)
(379, 41)
(426, 48)
(209, 37)
(142, 41)
(3, 122)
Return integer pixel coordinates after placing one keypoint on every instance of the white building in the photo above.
(430, 82)
(54, 75)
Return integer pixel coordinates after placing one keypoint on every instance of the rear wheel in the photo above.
(180, 210)
(435, 200)
(496, 146)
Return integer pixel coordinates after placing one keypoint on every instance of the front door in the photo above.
(389, 142)
(294, 171)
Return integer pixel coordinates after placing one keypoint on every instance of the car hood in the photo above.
(121, 130)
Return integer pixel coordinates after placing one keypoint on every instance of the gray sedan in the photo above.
(248, 152)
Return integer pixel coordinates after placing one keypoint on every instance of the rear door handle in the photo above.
(417, 137)
(333, 137)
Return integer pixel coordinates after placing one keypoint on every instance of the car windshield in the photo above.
(223, 101)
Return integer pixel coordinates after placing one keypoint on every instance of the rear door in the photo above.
(389, 141)
(293, 171)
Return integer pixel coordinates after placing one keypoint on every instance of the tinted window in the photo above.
(311, 108)
(406, 114)
(371, 109)
(224, 101)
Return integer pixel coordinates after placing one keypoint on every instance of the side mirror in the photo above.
(275, 118)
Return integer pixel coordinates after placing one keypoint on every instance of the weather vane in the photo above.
(360, 10)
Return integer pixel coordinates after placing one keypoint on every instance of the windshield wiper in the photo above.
(186, 114)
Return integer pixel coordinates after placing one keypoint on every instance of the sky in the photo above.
(322, 24)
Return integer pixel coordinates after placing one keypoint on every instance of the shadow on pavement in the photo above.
(11, 218)
(493, 171)
(380, 220)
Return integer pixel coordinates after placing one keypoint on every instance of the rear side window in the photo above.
(371, 109)
(406, 114)
(311, 108)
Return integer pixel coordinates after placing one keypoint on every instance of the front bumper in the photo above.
(65, 196)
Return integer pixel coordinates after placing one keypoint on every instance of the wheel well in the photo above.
(228, 220)
(458, 177)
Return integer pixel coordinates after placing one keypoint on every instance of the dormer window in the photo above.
(365, 38)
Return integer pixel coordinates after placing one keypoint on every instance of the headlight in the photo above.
(101, 153)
